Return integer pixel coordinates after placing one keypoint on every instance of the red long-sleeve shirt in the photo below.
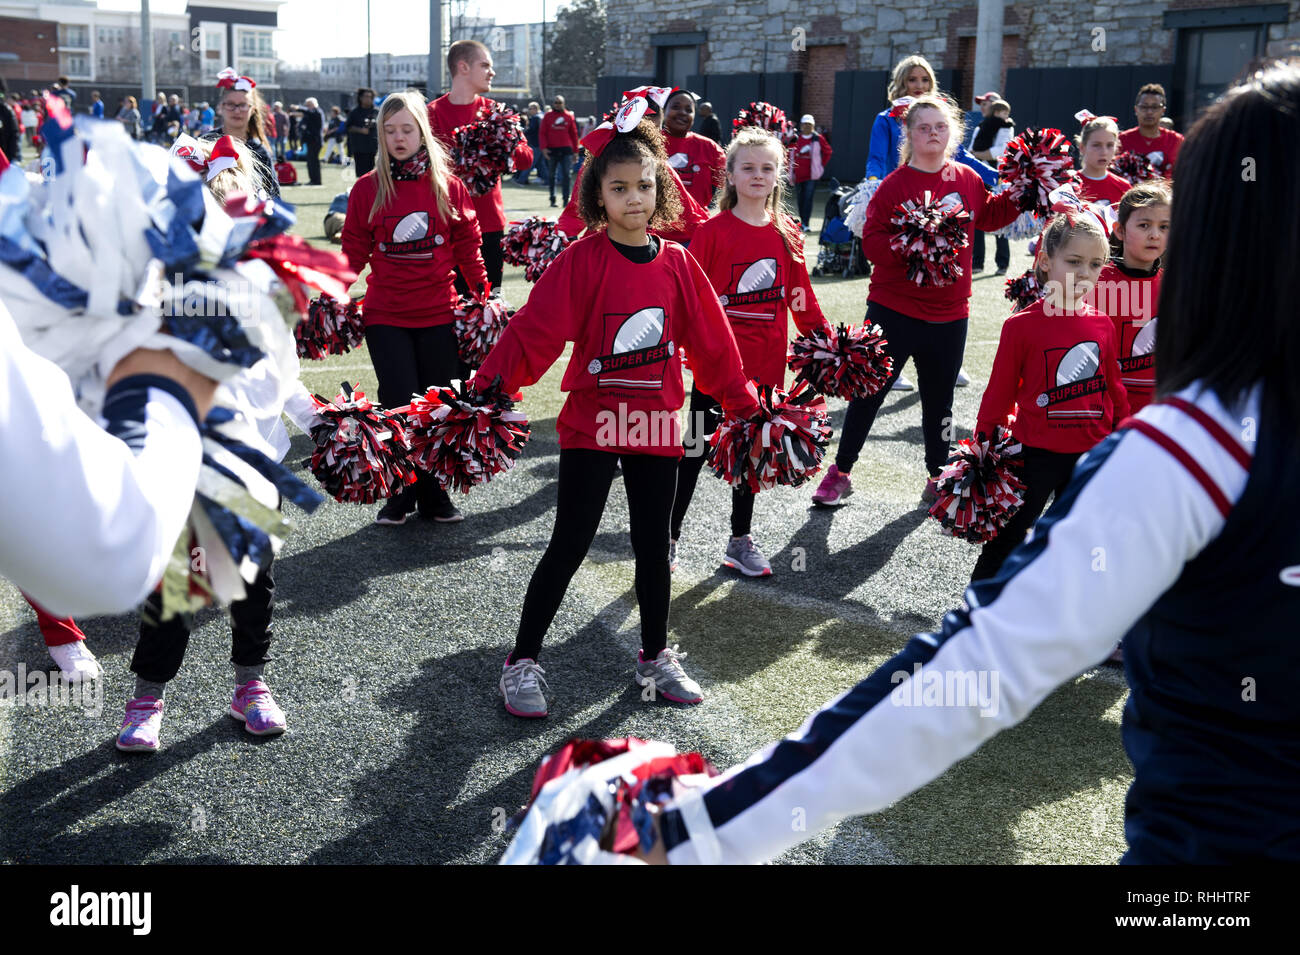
(758, 283)
(444, 117)
(890, 286)
(1062, 371)
(626, 321)
(1110, 188)
(412, 251)
(1131, 298)
(693, 214)
(699, 162)
(559, 128)
(1166, 144)
(801, 155)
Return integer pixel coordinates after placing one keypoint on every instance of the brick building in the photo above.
(832, 57)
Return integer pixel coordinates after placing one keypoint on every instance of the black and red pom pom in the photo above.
(480, 320)
(362, 449)
(848, 362)
(1034, 164)
(464, 436)
(534, 244)
(930, 236)
(979, 491)
(483, 150)
(331, 327)
(1023, 290)
(783, 444)
(1135, 167)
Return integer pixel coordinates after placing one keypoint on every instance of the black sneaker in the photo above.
(397, 508)
(552, 202)
(444, 512)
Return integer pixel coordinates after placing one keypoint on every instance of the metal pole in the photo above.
(541, 81)
(146, 59)
(370, 79)
(988, 49)
(435, 48)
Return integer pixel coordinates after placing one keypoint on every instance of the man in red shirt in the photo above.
(559, 138)
(1148, 138)
(470, 66)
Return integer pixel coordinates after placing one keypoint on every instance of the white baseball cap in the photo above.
(807, 118)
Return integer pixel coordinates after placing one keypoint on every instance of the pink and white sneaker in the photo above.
(254, 706)
(835, 487)
(140, 726)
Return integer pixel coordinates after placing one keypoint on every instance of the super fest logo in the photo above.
(636, 349)
(754, 290)
(410, 237)
(1077, 375)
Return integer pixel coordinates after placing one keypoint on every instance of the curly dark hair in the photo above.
(638, 144)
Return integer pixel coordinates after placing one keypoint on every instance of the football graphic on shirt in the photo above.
(1080, 362)
(678, 160)
(639, 330)
(413, 225)
(759, 275)
(952, 203)
(1145, 342)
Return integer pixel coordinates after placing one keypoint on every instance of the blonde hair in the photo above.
(945, 105)
(1097, 124)
(255, 115)
(755, 137)
(241, 177)
(439, 163)
(898, 80)
(1058, 234)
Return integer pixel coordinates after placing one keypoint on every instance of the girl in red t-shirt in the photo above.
(753, 254)
(1057, 370)
(1129, 288)
(627, 300)
(1097, 142)
(414, 223)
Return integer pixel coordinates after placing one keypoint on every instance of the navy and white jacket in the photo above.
(1178, 533)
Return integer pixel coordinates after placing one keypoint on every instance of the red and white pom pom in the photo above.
(361, 449)
(464, 436)
(1135, 167)
(482, 151)
(930, 236)
(534, 244)
(480, 320)
(1034, 164)
(330, 328)
(849, 362)
(766, 116)
(783, 444)
(979, 491)
(1023, 290)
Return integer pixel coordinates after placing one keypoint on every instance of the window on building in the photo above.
(214, 43)
(675, 63)
(74, 35)
(75, 65)
(1212, 59)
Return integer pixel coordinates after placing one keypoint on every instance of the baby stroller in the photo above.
(839, 250)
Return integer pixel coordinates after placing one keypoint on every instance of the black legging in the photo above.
(493, 262)
(705, 414)
(407, 361)
(585, 478)
(936, 350)
(1044, 473)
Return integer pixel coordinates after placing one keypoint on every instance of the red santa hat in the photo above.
(228, 79)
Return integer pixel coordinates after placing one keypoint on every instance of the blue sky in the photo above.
(397, 26)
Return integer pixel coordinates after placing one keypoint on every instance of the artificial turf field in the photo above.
(389, 642)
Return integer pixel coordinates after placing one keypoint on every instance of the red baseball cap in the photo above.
(988, 96)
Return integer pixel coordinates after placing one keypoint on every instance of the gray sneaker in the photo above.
(665, 677)
(672, 555)
(902, 384)
(521, 685)
(743, 555)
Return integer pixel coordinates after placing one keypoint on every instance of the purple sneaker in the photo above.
(835, 487)
(254, 706)
(140, 726)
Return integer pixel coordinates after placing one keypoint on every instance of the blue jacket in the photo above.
(882, 154)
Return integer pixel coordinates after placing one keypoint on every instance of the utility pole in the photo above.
(370, 78)
(541, 80)
(147, 89)
(435, 48)
(988, 50)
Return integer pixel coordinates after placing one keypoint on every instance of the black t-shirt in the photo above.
(640, 254)
(363, 143)
(712, 128)
(988, 132)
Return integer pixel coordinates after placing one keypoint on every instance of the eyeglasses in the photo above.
(236, 107)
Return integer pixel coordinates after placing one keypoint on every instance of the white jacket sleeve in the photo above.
(88, 524)
(1095, 564)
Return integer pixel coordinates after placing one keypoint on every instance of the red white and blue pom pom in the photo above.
(1033, 165)
(534, 244)
(1135, 167)
(766, 116)
(483, 150)
(331, 327)
(930, 236)
(464, 436)
(1023, 290)
(590, 801)
(849, 362)
(783, 444)
(979, 491)
(480, 320)
(362, 450)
